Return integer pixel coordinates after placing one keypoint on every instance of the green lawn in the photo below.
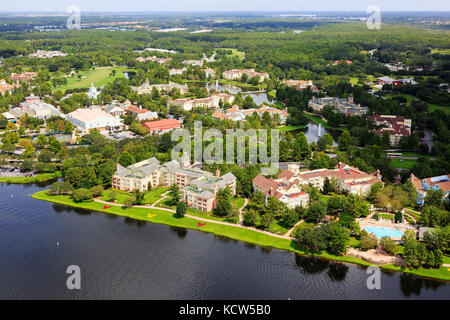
(441, 51)
(154, 195)
(239, 202)
(409, 98)
(99, 77)
(168, 218)
(290, 128)
(403, 163)
(150, 197)
(235, 52)
(42, 177)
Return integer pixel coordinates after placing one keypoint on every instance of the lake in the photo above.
(121, 258)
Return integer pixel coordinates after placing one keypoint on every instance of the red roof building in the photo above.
(161, 126)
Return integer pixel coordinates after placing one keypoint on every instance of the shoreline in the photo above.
(155, 215)
(39, 178)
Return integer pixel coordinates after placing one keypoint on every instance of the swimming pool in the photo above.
(381, 232)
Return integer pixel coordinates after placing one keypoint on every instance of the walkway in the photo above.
(292, 229)
(153, 206)
(241, 220)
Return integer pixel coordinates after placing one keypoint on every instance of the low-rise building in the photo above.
(396, 126)
(162, 126)
(345, 106)
(154, 59)
(199, 188)
(236, 114)
(6, 87)
(213, 101)
(94, 118)
(348, 179)
(288, 192)
(300, 84)
(39, 108)
(173, 71)
(43, 54)
(236, 74)
(210, 73)
(394, 82)
(432, 183)
(24, 76)
(141, 114)
(147, 88)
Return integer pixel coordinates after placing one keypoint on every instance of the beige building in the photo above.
(199, 188)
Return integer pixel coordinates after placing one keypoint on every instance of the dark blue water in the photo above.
(126, 259)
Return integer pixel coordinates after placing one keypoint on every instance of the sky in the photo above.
(224, 5)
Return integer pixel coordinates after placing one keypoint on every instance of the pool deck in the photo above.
(369, 222)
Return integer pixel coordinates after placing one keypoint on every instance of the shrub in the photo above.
(97, 191)
(368, 241)
(82, 194)
(249, 218)
(389, 245)
(61, 188)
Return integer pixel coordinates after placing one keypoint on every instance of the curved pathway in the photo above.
(153, 206)
(241, 219)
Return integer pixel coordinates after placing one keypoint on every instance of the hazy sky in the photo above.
(224, 5)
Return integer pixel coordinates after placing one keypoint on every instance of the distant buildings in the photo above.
(213, 101)
(210, 73)
(396, 126)
(24, 76)
(235, 114)
(348, 179)
(290, 193)
(162, 126)
(154, 59)
(199, 188)
(141, 114)
(147, 88)
(42, 54)
(194, 63)
(336, 62)
(341, 105)
(6, 87)
(432, 183)
(93, 92)
(394, 82)
(300, 84)
(33, 107)
(173, 71)
(236, 74)
(117, 109)
(94, 118)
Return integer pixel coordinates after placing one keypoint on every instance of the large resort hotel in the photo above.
(287, 187)
(199, 188)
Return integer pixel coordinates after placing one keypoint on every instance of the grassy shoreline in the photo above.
(237, 233)
(42, 177)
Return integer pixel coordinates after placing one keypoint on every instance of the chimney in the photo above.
(218, 173)
(215, 189)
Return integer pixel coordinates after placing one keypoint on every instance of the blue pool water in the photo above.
(381, 232)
